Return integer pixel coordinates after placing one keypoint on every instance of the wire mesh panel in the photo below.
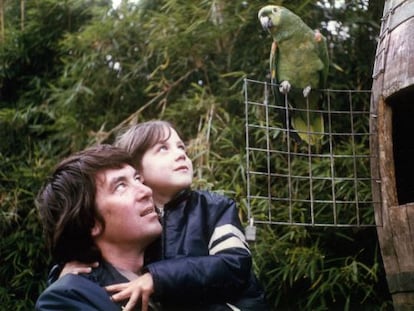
(327, 183)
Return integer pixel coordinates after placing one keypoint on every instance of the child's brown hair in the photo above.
(140, 137)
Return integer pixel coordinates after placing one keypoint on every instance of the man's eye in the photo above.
(120, 186)
(139, 178)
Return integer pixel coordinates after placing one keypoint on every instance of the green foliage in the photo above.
(79, 71)
(320, 269)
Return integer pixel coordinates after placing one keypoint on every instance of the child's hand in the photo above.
(142, 287)
(77, 267)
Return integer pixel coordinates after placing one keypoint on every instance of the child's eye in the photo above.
(182, 147)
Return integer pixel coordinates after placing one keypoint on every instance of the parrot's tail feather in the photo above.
(286, 120)
(311, 133)
(295, 136)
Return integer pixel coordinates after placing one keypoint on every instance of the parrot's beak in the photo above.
(266, 22)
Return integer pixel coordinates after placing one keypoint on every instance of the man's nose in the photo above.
(143, 191)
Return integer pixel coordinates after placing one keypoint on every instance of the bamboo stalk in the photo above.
(1, 20)
(22, 14)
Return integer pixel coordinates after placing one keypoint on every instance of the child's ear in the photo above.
(96, 229)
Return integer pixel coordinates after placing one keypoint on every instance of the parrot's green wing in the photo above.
(273, 62)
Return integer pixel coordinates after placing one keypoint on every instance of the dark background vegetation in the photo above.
(72, 72)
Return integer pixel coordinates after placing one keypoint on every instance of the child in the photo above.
(203, 257)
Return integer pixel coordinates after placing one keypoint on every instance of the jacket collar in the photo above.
(180, 197)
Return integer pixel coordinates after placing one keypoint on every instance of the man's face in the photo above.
(166, 167)
(127, 208)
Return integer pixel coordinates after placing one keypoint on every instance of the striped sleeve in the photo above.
(227, 237)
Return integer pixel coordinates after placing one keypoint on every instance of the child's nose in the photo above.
(181, 154)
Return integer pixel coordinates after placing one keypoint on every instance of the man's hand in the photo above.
(142, 287)
(77, 267)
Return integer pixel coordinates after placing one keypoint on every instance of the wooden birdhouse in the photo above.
(392, 147)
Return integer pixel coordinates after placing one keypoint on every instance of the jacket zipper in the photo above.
(162, 214)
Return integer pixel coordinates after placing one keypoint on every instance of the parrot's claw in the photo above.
(306, 91)
(284, 87)
(318, 35)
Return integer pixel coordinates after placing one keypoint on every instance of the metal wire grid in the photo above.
(328, 184)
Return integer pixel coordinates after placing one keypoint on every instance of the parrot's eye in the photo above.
(274, 10)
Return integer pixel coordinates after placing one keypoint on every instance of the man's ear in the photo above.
(96, 229)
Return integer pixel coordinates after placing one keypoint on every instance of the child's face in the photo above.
(166, 168)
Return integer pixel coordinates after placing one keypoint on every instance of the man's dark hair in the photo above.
(66, 203)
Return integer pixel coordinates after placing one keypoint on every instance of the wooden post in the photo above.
(393, 73)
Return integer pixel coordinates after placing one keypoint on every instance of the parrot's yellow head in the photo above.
(269, 16)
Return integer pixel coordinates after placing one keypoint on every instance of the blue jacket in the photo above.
(206, 261)
(83, 292)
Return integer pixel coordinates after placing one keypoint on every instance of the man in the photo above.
(95, 208)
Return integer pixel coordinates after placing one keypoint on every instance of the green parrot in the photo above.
(298, 63)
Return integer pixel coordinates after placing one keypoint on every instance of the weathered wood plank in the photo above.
(388, 187)
(399, 73)
(403, 236)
